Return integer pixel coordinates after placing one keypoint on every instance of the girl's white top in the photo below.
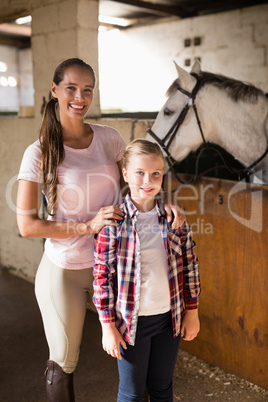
(88, 180)
(154, 288)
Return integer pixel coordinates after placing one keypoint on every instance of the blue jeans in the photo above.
(150, 362)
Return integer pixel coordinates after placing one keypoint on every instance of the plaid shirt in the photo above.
(117, 271)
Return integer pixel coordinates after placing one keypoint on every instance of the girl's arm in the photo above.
(191, 280)
(30, 225)
(191, 284)
(105, 289)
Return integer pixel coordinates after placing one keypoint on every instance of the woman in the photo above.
(75, 164)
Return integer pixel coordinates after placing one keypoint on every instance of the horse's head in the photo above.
(184, 137)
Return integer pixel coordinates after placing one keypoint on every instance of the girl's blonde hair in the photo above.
(140, 147)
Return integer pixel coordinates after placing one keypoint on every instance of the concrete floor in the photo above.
(23, 353)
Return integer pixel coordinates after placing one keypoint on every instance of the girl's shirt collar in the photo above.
(132, 210)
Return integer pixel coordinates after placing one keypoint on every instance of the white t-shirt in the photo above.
(154, 289)
(88, 180)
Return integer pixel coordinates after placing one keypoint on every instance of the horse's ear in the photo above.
(186, 80)
(196, 67)
(179, 69)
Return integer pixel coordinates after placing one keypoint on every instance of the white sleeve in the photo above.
(30, 164)
(119, 145)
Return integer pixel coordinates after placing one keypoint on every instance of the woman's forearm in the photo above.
(36, 227)
(29, 223)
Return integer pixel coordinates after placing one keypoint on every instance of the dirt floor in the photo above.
(196, 380)
(23, 352)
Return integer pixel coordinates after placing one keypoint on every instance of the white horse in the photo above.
(207, 108)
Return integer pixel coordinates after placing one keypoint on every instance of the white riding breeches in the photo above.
(62, 296)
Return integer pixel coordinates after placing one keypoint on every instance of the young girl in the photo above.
(146, 282)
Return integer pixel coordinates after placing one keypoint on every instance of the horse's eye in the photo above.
(168, 112)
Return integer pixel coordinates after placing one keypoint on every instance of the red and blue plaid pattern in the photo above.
(115, 295)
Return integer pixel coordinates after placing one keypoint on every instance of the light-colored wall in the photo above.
(234, 43)
(60, 30)
(26, 85)
(20, 255)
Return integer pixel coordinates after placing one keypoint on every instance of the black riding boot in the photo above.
(59, 385)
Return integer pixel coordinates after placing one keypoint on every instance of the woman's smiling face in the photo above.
(74, 92)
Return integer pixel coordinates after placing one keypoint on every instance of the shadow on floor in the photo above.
(23, 355)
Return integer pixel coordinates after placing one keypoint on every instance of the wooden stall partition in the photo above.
(230, 226)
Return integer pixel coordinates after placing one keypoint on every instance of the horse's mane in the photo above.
(237, 90)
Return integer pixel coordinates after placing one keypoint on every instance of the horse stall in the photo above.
(229, 220)
(206, 112)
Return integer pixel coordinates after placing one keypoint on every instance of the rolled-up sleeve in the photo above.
(105, 274)
(191, 279)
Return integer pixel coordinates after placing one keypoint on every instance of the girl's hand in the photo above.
(190, 325)
(175, 215)
(110, 215)
(111, 339)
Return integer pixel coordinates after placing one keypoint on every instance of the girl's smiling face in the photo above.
(74, 92)
(144, 175)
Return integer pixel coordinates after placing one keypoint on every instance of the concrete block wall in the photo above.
(233, 43)
(26, 87)
(20, 255)
(61, 30)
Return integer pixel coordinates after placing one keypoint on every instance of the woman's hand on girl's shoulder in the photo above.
(175, 215)
(110, 215)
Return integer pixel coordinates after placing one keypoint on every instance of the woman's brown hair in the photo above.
(50, 137)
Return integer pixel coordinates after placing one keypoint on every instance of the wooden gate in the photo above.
(230, 226)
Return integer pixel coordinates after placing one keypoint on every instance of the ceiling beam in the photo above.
(218, 6)
(21, 42)
(15, 35)
(190, 9)
(15, 29)
(157, 8)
